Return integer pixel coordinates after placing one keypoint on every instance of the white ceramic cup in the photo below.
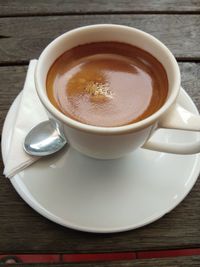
(114, 142)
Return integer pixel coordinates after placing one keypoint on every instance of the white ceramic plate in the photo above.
(107, 196)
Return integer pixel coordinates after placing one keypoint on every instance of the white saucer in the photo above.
(107, 196)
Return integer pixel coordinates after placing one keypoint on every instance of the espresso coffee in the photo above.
(107, 84)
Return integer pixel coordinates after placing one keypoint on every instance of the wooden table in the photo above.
(25, 29)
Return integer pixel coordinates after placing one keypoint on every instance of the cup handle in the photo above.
(180, 119)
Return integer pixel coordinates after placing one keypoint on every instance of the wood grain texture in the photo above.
(12, 80)
(24, 230)
(181, 33)
(192, 261)
(23, 7)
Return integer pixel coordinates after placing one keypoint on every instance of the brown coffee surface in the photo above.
(107, 84)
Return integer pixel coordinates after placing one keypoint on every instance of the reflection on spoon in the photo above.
(45, 139)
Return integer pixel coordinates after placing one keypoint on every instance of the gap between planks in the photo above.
(170, 12)
(25, 62)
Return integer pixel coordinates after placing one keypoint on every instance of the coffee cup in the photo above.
(113, 142)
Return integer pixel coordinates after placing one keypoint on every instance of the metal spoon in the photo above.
(45, 139)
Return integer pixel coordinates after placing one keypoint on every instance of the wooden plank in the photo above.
(23, 7)
(169, 262)
(12, 80)
(24, 38)
(24, 230)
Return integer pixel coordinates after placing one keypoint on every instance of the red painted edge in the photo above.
(55, 258)
(34, 258)
(98, 257)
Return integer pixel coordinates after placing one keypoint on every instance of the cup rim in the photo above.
(99, 129)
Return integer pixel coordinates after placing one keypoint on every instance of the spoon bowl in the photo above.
(45, 139)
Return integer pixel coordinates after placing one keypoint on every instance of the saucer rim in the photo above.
(21, 190)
